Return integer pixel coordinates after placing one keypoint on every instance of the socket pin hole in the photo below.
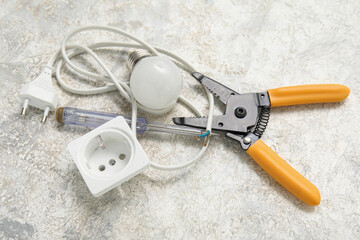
(232, 94)
(262, 95)
(220, 124)
(101, 168)
(112, 162)
(122, 156)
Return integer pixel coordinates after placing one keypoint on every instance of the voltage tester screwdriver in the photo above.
(93, 119)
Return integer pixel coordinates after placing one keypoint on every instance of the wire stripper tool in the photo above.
(246, 117)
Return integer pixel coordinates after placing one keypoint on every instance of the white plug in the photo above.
(108, 156)
(40, 93)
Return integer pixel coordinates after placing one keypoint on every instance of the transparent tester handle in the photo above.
(74, 116)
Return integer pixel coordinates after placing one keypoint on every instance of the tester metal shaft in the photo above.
(93, 119)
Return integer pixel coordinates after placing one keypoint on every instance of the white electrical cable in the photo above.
(66, 52)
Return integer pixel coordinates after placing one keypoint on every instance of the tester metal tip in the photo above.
(25, 106)
(46, 113)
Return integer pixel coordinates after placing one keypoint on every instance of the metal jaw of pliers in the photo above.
(246, 117)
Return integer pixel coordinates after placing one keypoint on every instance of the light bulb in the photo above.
(156, 82)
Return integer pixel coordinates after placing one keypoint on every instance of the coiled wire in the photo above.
(63, 56)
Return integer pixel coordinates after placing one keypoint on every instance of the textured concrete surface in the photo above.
(247, 45)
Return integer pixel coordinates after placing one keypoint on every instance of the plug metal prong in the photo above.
(46, 113)
(25, 106)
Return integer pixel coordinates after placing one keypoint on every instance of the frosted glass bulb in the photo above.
(156, 82)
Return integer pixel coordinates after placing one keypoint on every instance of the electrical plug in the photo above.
(40, 93)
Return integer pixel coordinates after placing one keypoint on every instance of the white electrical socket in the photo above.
(108, 156)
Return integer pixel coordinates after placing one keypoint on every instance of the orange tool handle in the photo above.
(282, 172)
(305, 94)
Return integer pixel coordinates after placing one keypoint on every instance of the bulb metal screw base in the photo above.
(135, 56)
